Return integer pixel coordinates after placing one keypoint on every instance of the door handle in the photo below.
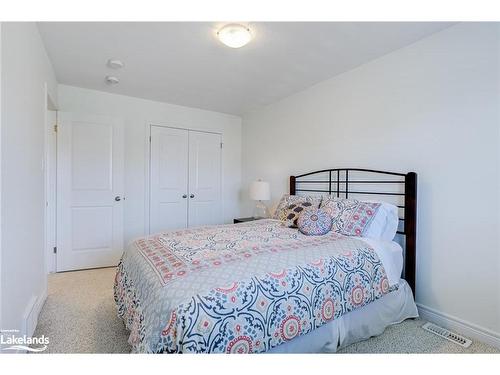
(184, 196)
(191, 196)
(118, 198)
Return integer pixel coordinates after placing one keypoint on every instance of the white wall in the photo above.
(137, 114)
(433, 108)
(0, 176)
(26, 71)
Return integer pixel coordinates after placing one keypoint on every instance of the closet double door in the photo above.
(185, 179)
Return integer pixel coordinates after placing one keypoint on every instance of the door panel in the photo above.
(168, 179)
(89, 176)
(205, 203)
(95, 220)
(89, 172)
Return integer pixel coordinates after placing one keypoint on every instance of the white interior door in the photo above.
(90, 163)
(168, 179)
(205, 203)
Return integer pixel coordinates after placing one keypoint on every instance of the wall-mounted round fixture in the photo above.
(115, 64)
(112, 80)
(234, 35)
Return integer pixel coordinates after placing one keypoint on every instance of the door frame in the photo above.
(147, 159)
(50, 167)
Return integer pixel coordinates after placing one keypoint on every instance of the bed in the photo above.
(263, 287)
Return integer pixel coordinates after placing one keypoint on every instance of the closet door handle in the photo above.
(191, 196)
(184, 196)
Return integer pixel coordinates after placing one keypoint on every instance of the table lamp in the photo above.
(259, 191)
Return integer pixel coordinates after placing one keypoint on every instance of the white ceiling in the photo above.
(183, 63)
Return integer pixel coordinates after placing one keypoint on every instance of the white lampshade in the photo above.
(260, 191)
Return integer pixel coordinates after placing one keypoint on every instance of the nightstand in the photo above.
(245, 219)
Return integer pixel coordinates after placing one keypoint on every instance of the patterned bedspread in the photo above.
(240, 288)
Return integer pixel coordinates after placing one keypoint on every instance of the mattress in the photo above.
(246, 288)
(390, 254)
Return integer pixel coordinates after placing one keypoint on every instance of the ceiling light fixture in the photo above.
(234, 35)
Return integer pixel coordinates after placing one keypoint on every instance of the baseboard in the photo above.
(31, 313)
(460, 326)
(30, 317)
(40, 301)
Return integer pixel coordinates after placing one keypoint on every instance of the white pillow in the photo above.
(385, 223)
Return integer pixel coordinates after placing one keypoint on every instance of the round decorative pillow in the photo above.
(314, 222)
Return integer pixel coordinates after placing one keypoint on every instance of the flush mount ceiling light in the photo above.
(234, 35)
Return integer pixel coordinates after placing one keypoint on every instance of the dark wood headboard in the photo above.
(349, 182)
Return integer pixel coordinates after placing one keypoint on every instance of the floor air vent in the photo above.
(448, 335)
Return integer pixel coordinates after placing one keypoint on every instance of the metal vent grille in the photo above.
(448, 335)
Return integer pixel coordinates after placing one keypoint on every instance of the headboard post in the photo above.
(410, 228)
(292, 185)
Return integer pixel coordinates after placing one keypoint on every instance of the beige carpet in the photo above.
(79, 316)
